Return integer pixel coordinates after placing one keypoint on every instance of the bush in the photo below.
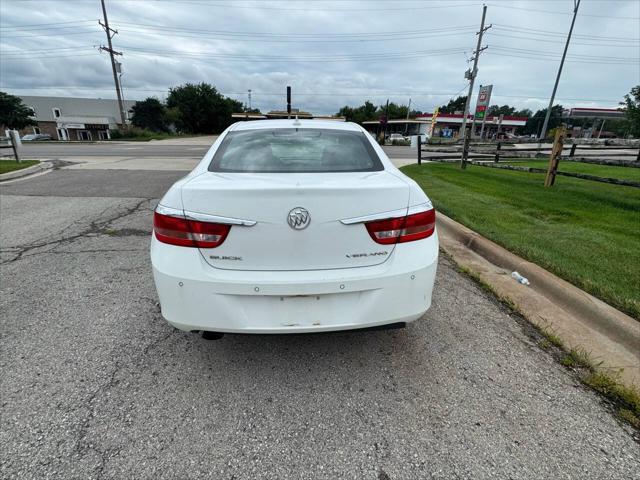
(404, 143)
(136, 133)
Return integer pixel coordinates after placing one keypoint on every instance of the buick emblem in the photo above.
(299, 218)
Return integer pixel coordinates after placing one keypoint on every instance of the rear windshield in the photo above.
(295, 150)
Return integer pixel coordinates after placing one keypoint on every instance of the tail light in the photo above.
(189, 233)
(403, 229)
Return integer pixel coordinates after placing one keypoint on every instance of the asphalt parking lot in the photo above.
(96, 385)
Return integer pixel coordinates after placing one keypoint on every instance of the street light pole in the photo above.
(543, 132)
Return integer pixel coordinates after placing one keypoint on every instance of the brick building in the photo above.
(71, 118)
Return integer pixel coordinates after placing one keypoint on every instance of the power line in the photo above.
(261, 6)
(585, 44)
(305, 58)
(45, 24)
(52, 34)
(298, 34)
(560, 34)
(364, 93)
(307, 38)
(557, 12)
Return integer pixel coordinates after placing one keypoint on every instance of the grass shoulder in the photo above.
(7, 166)
(585, 232)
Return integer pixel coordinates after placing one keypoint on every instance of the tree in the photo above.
(360, 114)
(200, 108)
(525, 112)
(394, 111)
(13, 113)
(507, 110)
(495, 110)
(534, 123)
(368, 111)
(150, 113)
(454, 105)
(631, 107)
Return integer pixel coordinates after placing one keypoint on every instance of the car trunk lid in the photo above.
(320, 241)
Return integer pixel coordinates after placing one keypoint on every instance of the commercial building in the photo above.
(586, 122)
(282, 114)
(600, 113)
(70, 118)
(447, 125)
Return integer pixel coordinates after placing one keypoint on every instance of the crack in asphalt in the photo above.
(82, 446)
(95, 228)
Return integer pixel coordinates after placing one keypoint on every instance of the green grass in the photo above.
(585, 232)
(11, 165)
(609, 171)
(577, 358)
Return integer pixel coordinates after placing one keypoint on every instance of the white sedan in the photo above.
(290, 226)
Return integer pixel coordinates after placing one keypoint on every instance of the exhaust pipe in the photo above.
(212, 335)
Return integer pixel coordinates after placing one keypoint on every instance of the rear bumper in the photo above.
(195, 296)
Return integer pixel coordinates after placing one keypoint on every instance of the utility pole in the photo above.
(471, 75)
(386, 119)
(110, 33)
(543, 132)
(249, 92)
(406, 125)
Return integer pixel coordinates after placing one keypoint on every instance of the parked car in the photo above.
(397, 136)
(290, 226)
(36, 137)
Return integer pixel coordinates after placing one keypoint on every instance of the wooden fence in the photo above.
(488, 155)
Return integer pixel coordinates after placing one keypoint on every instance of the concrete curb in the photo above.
(43, 165)
(580, 319)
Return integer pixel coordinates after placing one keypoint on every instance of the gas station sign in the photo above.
(484, 97)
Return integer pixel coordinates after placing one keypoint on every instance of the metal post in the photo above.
(15, 144)
(473, 120)
(497, 157)
(500, 119)
(601, 127)
(463, 127)
(419, 150)
(288, 102)
(543, 132)
(573, 149)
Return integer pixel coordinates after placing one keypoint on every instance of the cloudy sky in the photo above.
(332, 52)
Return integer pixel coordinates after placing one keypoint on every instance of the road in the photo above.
(95, 384)
(151, 155)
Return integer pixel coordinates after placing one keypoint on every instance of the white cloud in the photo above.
(197, 41)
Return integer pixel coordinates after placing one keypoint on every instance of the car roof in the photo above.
(292, 123)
